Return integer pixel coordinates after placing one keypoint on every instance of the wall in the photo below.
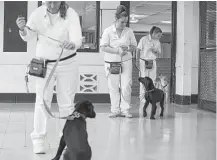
(13, 65)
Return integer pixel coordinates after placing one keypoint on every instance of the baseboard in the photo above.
(186, 100)
(182, 100)
(30, 98)
(194, 98)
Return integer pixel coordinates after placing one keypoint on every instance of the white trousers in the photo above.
(146, 73)
(120, 102)
(66, 77)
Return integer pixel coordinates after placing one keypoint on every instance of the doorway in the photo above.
(145, 14)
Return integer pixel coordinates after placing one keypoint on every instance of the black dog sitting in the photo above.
(152, 95)
(75, 134)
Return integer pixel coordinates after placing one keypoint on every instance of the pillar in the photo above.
(187, 52)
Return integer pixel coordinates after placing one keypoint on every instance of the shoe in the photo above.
(127, 115)
(113, 115)
(38, 148)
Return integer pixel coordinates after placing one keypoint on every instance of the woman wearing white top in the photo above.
(118, 42)
(54, 19)
(149, 48)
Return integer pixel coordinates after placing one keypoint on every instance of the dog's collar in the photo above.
(75, 115)
(150, 90)
(164, 86)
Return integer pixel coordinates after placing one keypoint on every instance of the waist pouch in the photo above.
(115, 67)
(148, 64)
(38, 67)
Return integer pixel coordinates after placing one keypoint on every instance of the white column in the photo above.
(187, 48)
(195, 48)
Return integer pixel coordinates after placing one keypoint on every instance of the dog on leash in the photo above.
(75, 136)
(152, 95)
(162, 83)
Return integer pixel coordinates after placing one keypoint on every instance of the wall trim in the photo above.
(95, 98)
(186, 100)
(194, 98)
(30, 98)
(182, 100)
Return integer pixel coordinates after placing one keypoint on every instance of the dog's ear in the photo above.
(77, 105)
(91, 112)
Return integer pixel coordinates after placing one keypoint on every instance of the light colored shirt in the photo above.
(145, 44)
(54, 26)
(110, 38)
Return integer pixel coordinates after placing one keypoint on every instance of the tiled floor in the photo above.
(185, 133)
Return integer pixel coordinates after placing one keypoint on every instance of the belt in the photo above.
(62, 59)
(111, 62)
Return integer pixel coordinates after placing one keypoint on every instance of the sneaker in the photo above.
(38, 148)
(127, 115)
(113, 115)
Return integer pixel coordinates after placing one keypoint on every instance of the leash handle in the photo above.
(45, 88)
(42, 34)
(49, 78)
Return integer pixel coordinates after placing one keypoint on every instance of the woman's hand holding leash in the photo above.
(121, 51)
(67, 45)
(155, 51)
(21, 22)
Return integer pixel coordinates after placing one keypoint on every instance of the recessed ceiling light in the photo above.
(167, 22)
(138, 16)
(133, 20)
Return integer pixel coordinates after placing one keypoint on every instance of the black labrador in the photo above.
(152, 95)
(75, 136)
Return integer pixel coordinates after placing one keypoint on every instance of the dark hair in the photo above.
(63, 9)
(155, 29)
(121, 11)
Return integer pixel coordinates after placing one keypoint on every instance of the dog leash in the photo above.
(164, 86)
(75, 114)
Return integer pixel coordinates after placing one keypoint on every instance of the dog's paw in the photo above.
(144, 114)
(152, 118)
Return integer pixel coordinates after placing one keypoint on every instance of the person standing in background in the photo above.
(149, 48)
(118, 42)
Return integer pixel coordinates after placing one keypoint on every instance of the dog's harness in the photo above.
(75, 115)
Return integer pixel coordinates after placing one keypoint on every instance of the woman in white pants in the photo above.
(54, 19)
(118, 42)
(149, 48)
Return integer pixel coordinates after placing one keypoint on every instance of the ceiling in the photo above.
(154, 12)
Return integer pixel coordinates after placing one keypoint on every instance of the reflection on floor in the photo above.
(185, 133)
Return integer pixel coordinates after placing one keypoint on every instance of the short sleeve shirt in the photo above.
(110, 38)
(145, 44)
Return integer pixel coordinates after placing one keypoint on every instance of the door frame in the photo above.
(173, 46)
(173, 52)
